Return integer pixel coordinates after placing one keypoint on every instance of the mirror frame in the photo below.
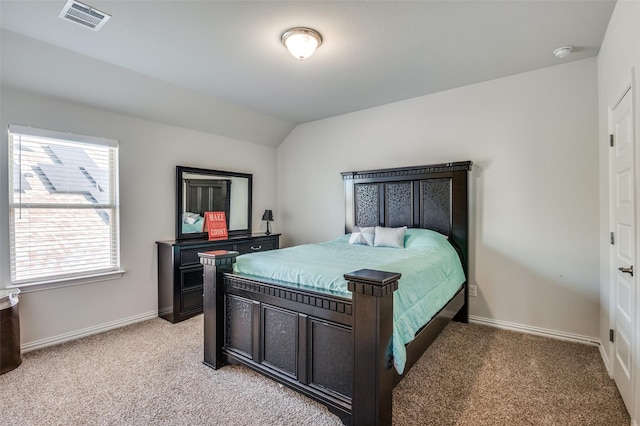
(180, 236)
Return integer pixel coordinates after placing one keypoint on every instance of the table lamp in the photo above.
(268, 216)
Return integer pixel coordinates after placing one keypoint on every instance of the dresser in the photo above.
(180, 271)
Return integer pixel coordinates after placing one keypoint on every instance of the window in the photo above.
(63, 206)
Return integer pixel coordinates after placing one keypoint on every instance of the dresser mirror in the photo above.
(202, 190)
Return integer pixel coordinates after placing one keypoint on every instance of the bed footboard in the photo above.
(334, 350)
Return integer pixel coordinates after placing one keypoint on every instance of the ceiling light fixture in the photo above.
(301, 41)
(563, 51)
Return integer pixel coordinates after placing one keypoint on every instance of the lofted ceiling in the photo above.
(219, 66)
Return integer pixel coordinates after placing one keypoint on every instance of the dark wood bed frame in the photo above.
(333, 349)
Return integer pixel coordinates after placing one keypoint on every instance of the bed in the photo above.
(339, 343)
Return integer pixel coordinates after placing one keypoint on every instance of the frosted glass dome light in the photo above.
(301, 42)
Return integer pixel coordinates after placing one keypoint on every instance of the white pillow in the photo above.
(190, 218)
(362, 236)
(389, 237)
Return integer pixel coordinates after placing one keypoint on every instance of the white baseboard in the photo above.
(605, 359)
(528, 329)
(73, 335)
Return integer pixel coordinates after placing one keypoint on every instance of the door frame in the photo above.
(635, 103)
(629, 85)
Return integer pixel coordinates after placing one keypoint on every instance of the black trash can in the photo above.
(9, 330)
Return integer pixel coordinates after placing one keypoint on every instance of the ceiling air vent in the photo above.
(84, 15)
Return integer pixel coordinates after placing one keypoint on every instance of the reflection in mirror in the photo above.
(202, 190)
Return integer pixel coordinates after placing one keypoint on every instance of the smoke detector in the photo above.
(84, 15)
(563, 51)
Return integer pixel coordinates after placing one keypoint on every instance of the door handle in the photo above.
(628, 270)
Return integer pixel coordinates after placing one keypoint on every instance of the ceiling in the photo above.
(221, 63)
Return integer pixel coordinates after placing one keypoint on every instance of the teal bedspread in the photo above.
(430, 267)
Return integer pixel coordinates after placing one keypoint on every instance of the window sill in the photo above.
(67, 282)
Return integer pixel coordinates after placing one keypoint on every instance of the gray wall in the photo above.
(149, 153)
(534, 210)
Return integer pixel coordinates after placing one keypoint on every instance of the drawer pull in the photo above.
(256, 248)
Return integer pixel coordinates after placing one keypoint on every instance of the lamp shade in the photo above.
(268, 216)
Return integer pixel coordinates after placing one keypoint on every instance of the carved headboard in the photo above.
(432, 197)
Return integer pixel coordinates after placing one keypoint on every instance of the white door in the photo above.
(623, 283)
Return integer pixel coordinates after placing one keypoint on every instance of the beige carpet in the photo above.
(499, 377)
(151, 373)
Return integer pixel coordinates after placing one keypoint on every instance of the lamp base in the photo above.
(268, 230)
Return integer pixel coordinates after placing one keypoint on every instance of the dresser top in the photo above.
(234, 239)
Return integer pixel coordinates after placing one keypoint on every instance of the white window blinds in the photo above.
(63, 205)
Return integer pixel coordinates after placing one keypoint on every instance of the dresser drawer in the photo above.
(259, 245)
(190, 256)
(191, 300)
(191, 277)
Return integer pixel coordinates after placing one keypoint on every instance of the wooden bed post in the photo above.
(372, 297)
(215, 264)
